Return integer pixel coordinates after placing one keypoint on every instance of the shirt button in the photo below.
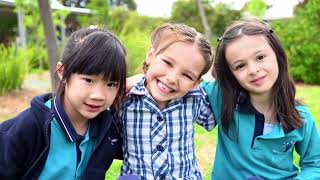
(162, 176)
(160, 148)
(159, 118)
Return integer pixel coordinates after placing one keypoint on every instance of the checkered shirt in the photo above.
(159, 144)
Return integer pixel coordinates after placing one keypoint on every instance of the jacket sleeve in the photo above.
(308, 149)
(12, 152)
(17, 138)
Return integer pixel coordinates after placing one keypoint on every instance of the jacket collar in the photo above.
(98, 124)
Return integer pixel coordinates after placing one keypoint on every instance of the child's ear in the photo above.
(150, 55)
(60, 69)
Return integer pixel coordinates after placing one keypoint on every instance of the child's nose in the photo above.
(98, 93)
(172, 77)
(253, 68)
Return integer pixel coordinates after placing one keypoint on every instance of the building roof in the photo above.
(55, 5)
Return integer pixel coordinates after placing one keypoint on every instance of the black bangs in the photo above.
(97, 54)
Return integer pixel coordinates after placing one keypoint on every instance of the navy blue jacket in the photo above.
(25, 141)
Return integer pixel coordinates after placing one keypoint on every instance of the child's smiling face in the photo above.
(173, 72)
(253, 63)
(86, 96)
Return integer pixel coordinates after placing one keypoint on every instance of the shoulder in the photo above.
(305, 113)
(24, 121)
(210, 86)
(308, 120)
(28, 121)
(197, 93)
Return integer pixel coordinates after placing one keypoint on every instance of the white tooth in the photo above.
(165, 87)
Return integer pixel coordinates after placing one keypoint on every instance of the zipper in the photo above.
(47, 141)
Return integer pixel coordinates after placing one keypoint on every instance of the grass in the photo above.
(206, 141)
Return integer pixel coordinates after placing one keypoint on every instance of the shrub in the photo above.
(13, 68)
(137, 44)
(301, 39)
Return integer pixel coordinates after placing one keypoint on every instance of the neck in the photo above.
(79, 123)
(81, 127)
(260, 101)
(263, 104)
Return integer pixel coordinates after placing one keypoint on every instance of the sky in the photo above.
(280, 8)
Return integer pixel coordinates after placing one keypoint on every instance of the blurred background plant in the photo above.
(13, 67)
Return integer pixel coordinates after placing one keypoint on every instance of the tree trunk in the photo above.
(49, 30)
(204, 20)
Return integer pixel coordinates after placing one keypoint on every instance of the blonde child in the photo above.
(159, 115)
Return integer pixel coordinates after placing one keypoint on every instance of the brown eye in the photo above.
(260, 57)
(112, 84)
(88, 80)
(240, 66)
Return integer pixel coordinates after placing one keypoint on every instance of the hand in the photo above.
(131, 81)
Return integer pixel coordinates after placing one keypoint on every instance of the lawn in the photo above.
(206, 141)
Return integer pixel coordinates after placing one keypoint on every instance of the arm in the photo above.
(12, 150)
(308, 149)
(205, 113)
(214, 94)
(132, 80)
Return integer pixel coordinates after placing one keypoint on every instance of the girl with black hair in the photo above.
(70, 134)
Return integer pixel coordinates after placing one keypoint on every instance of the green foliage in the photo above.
(136, 22)
(301, 39)
(133, 29)
(99, 16)
(35, 51)
(134, 32)
(13, 68)
(137, 44)
(119, 17)
(114, 170)
(37, 57)
(257, 8)
(130, 4)
(186, 11)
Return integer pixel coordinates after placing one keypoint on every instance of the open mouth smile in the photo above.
(164, 88)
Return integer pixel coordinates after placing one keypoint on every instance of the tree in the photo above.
(99, 17)
(49, 29)
(130, 4)
(257, 8)
(301, 38)
(204, 19)
(218, 17)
